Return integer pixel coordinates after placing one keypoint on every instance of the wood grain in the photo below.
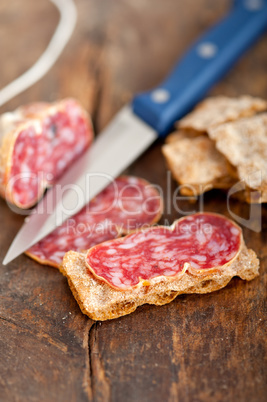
(197, 348)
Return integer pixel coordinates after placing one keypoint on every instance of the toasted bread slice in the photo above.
(196, 164)
(233, 150)
(100, 301)
(244, 144)
(221, 109)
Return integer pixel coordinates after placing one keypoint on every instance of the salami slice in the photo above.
(38, 142)
(200, 243)
(125, 205)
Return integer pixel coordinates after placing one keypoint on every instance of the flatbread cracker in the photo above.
(244, 144)
(221, 109)
(196, 164)
(177, 135)
(101, 302)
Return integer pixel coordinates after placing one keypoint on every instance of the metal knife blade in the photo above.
(121, 142)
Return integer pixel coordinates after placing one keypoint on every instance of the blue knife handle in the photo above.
(202, 65)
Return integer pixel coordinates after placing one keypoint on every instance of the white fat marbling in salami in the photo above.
(199, 243)
(125, 205)
(38, 142)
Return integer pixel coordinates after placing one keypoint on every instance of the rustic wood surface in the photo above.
(199, 347)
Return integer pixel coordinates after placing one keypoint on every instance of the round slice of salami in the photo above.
(200, 243)
(38, 142)
(127, 204)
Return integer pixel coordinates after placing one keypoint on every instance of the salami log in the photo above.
(38, 142)
(125, 205)
(200, 244)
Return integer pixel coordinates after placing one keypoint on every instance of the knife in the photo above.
(150, 115)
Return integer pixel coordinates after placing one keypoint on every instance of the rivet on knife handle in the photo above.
(208, 59)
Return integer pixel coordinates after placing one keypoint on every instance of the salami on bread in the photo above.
(198, 254)
(38, 142)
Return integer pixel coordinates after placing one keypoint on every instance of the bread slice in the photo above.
(196, 164)
(100, 301)
(222, 141)
(244, 144)
(217, 110)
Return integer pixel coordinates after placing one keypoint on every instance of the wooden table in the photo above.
(197, 348)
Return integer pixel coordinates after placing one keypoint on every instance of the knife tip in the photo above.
(7, 259)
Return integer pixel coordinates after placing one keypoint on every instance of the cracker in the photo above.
(221, 109)
(179, 134)
(196, 164)
(244, 144)
(101, 302)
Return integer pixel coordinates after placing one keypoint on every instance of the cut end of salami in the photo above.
(38, 142)
(127, 204)
(200, 244)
